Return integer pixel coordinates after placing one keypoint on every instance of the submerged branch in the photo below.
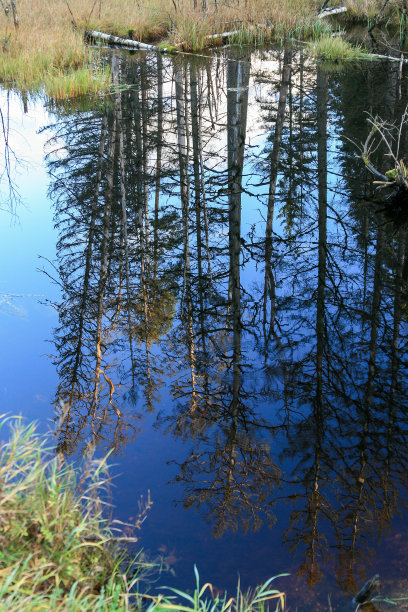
(387, 135)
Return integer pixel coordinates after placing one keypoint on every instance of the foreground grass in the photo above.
(56, 547)
(47, 50)
(59, 552)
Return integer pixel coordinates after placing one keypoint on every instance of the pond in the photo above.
(198, 273)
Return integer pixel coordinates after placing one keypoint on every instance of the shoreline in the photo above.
(47, 50)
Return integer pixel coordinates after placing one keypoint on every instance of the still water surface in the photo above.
(197, 275)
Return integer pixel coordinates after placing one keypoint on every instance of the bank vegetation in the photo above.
(43, 45)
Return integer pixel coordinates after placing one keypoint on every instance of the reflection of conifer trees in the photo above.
(316, 319)
(270, 289)
(195, 129)
(371, 495)
(315, 299)
(9, 195)
(317, 508)
(232, 474)
(237, 104)
(115, 303)
(339, 397)
(295, 326)
(83, 252)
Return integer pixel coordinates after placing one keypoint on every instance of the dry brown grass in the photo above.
(365, 10)
(145, 20)
(253, 18)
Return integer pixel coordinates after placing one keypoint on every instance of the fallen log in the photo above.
(391, 58)
(127, 43)
(333, 11)
(109, 39)
(222, 35)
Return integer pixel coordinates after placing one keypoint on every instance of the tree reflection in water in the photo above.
(281, 339)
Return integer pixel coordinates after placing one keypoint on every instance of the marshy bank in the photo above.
(44, 47)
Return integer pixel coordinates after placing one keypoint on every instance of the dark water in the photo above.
(221, 300)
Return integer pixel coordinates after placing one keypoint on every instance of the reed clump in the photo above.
(204, 599)
(60, 85)
(57, 550)
(46, 49)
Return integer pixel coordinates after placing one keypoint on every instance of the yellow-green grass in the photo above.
(58, 551)
(56, 546)
(84, 81)
(335, 48)
(46, 52)
(27, 72)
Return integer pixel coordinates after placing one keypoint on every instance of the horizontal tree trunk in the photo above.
(222, 35)
(109, 39)
(334, 11)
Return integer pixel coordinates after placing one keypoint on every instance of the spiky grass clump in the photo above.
(204, 599)
(57, 550)
(191, 34)
(46, 50)
(331, 48)
(62, 74)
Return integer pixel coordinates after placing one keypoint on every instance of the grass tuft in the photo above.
(61, 86)
(56, 548)
(335, 48)
(205, 598)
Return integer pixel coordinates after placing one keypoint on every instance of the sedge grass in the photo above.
(62, 85)
(46, 52)
(64, 69)
(204, 599)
